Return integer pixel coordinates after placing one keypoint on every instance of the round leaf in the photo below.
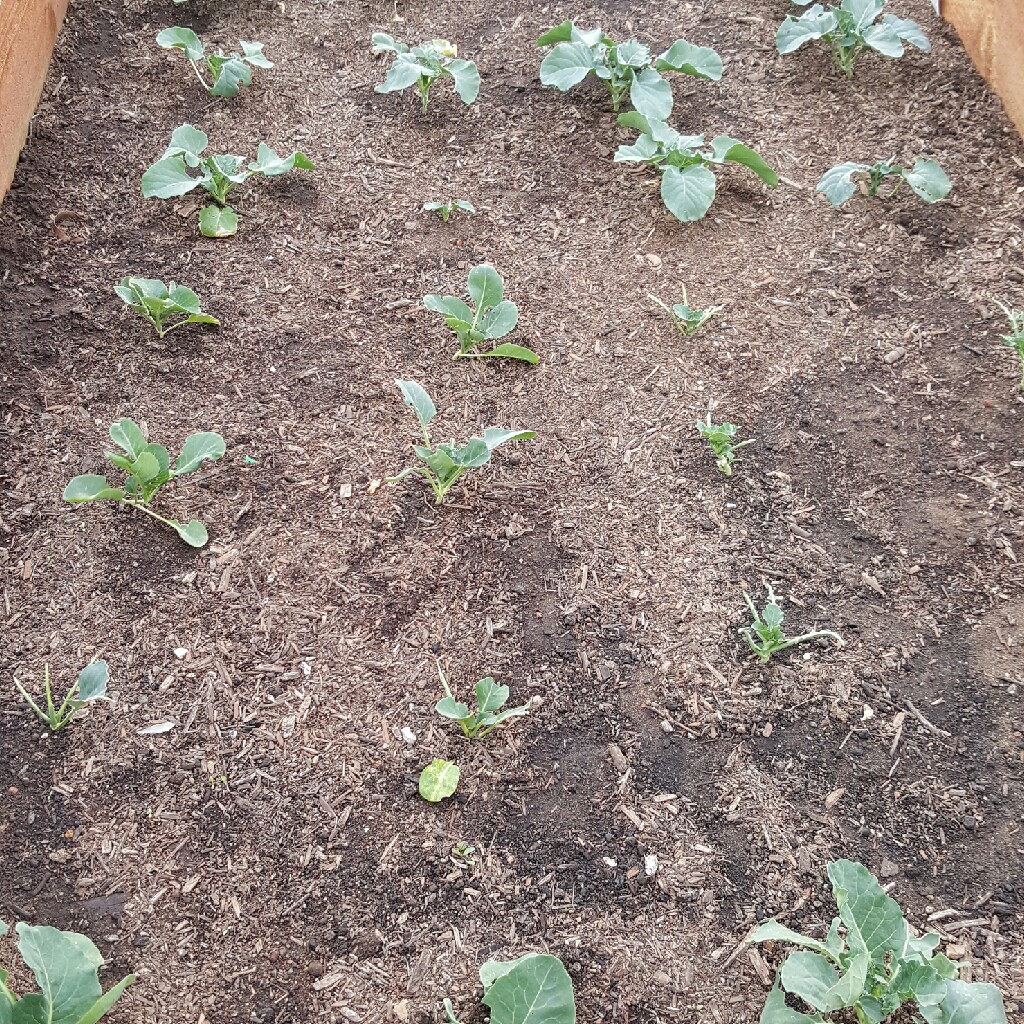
(127, 434)
(651, 95)
(192, 533)
(928, 180)
(837, 184)
(91, 487)
(566, 65)
(794, 32)
(167, 178)
(467, 79)
(536, 989)
(688, 193)
(438, 780)
(699, 61)
(181, 39)
(92, 682)
(485, 287)
(199, 448)
(500, 320)
(218, 221)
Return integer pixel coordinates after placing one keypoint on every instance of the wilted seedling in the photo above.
(423, 65)
(765, 635)
(927, 180)
(446, 210)
(720, 436)
(490, 699)
(90, 685)
(165, 306)
(439, 780)
(228, 72)
(443, 465)
(148, 468)
(688, 321)
(490, 317)
(1015, 339)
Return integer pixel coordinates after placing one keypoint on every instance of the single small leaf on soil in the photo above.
(438, 780)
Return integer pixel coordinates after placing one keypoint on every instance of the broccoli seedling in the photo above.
(513, 990)
(720, 437)
(491, 317)
(446, 210)
(688, 321)
(439, 780)
(927, 180)
(463, 853)
(90, 685)
(147, 468)
(850, 29)
(625, 67)
(687, 184)
(218, 174)
(1015, 339)
(445, 463)
(423, 65)
(765, 635)
(490, 699)
(228, 72)
(160, 303)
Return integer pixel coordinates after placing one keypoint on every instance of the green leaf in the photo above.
(558, 34)
(909, 31)
(837, 184)
(500, 320)
(813, 978)
(495, 719)
(466, 77)
(490, 696)
(269, 163)
(167, 178)
(105, 1003)
(91, 487)
(472, 454)
(415, 395)
(464, 204)
(813, 24)
(507, 351)
(535, 989)
(401, 75)
(725, 148)
(451, 307)
(772, 931)
(192, 533)
(218, 221)
(868, 913)
(566, 65)
(633, 54)
(494, 437)
(92, 682)
(145, 467)
(928, 180)
(882, 38)
(253, 53)
(382, 41)
(449, 707)
(229, 75)
(863, 12)
(634, 119)
(967, 1003)
(485, 287)
(181, 39)
(645, 149)
(199, 448)
(651, 95)
(699, 61)
(159, 452)
(188, 140)
(128, 436)
(438, 780)
(183, 299)
(777, 1012)
(772, 615)
(688, 192)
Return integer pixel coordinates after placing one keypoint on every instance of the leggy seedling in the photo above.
(720, 437)
(491, 317)
(443, 465)
(423, 65)
(90, 685)
(1015, 339)
(147, 468)
(927, 180)
(765, 635)
(490, 699)
(228, 72)
(687, 320)
(165, 306)
(447, 210)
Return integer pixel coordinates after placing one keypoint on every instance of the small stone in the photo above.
(650, 865)
(653, 260)
(889, 870)
(315, 969)
(666, 726)
(895, 355)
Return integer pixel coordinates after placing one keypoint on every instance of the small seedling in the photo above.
(872, 963)
(443, 465)
(66, 968)
(625, 67)
(687, 184)
(490, 699)
(446, 210)
(688, 321)
(765, 635)
(228, 72)
(90, 685)
(1015, 339)
(449, 1013)
(535, 989)
(720, 437)
(148, 468)
(850, 29)
(170, 176)
(423, 65)
(165, 306)
(439, 780)
(463, 853)
(927, 180)
(491, 317)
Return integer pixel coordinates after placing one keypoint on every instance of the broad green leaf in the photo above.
(401, 75)
(449, 707)
(253, 53)
(218, 221)
(777, 1012)
(92, 682)
(229, 166)
(192, 533)
(558, 34)
(449, 306)
(811, 25)
(500, 320)
(485, 287)
(382, 41)
(494, 437)
(837, 184)
(928, 180)
(866, 910)
(466, 77)
(269, 163)
(651, 95)
(909, 31)
(440, 461)
(967, 1003)
(772, 931)
(181, 39)
(475, 452)
(688, 193)
(496, 718)
(127, 435)
(145, 467)
(464, 204)
(490, 696)
(438, 780)
(813, 978)
(202, 318)
(642, 151)
(167, 178)
(159, 452)
(566, 65)
(919, 981)
(91, 487)
(699, 61)
(633, 54)
(229, 75)
(863, 12)
(190, 140)
(536, 989)
(199, 448)
(634, 119)
(507, 351)
(726, 148)
(772, 615)
(415, 395)
(882, 38)
(184, 299)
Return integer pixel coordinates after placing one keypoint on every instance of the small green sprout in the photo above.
(423, 65)
(161, 303)
(449, 1013)
(1015, 339)
(443, 465)
(148, 468)
(490, 699)
(90, 685)
(446, 210)
(463, 853)
(765, 635)
(227, 72)
(688, 321)
(439, 780)
(720, 437)
(927, 180)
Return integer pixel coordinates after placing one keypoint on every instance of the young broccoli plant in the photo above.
(218, 174)
(439, 780)
(687, 183)
(870, 962)
(765, 635)
(444, 464)
(624, 67)
(927, 180)
(90, 685)
(66, 968)
(490, 699)
(535, 989)
(1015, 339)
(228, 73)
(491, 317)
(148, 468)
(688, 321)
(720, 437)
(165, 306)
(446, 210)
(850, 29)
(423, 65)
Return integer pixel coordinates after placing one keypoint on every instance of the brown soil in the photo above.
(268, 859)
